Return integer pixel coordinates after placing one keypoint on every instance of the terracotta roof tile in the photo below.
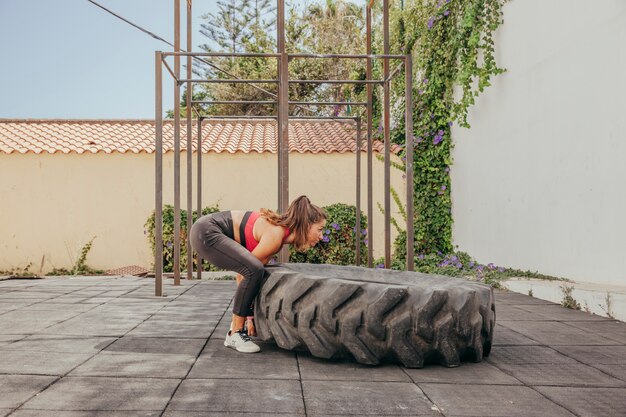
(137, 136)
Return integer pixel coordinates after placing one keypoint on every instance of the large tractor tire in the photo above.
(376, 315)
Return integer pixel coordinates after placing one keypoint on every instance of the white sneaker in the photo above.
(241, 342)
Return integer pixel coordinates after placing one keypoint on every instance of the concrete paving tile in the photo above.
(87, 393)
(560, 313)
(588, 402)
(556, 333)
(618, 371)
(312, 368)
(595, 355)
(39, 363)
(223, 327)
(161, 345)
(10, 338)
(230, 395)
(609, 329)
(28, 295)
(503, 336)
(5, 411)
(519, 355)
(179, 413)
(92, 413)
(514, 298)
(170, 328)
(137, 365)
(218, 361)
(12, 305)
(89, 324)
(16, 389)
(365, 398)
(32, 321)
(516, 313)
(54, 343)
(572, 375)
(71, 300)
(54, 306)
(467, 373)
(491, 401)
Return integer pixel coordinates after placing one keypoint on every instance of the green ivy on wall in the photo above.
(452, 45)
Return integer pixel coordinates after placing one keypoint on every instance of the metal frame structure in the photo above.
(282, 117)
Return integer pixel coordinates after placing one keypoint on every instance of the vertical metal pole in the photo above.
(199, 181)
(189, 148)
(408, 141)
(387, 137)
(358, 192)
(283, 121)
(176, 144)
(158, 177)
(370, 197)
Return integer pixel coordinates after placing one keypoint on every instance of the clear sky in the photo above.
(70, 59)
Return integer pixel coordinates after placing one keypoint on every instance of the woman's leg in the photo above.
(224, 252)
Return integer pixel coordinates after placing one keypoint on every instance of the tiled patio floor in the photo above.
(105, 346)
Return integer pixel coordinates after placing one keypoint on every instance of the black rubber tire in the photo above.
(376, 315)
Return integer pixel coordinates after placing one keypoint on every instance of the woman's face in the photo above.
(315, 233)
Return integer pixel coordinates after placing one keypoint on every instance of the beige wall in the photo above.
(53, 204)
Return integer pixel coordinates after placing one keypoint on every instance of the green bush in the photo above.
(338, 247)
(168, 236)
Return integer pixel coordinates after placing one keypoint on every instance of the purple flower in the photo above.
(420, 256)
(437, 139)
(471, 264)
(425, 80)
(453, 258)
(480, 267)
(501, 269)
(450, 124)
(327, 231)
(447, 12)
(431, 21)
(459, 265)
(169, 244)
(447, 169)
(439, 253)
(380, 266)
(364, 232)
(420, 92)
(403, 159)
(491, 266)
(441, 132)
(365, 241)
(326, 239)
(335, 226)
(443, 188)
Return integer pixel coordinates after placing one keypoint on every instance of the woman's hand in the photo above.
(250, 326)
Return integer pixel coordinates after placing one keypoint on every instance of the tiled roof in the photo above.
(218, 135)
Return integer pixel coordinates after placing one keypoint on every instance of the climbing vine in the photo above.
(452, 45)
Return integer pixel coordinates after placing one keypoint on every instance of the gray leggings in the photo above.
(212, 237)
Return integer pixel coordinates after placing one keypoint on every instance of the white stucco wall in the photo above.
(539, 181)
(52, 205)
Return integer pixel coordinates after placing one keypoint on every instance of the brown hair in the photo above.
(298, 218)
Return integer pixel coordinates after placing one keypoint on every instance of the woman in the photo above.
(246, 241)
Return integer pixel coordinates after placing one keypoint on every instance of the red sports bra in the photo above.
(246, 228)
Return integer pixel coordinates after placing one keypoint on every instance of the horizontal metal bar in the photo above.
(323, 117)
(237, 117)
(336, 82)
(233, 81)
(330, 103)
(234, 102)
(349, 56)
(221, 54)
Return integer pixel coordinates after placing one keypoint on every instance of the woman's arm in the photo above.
(270, 243)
